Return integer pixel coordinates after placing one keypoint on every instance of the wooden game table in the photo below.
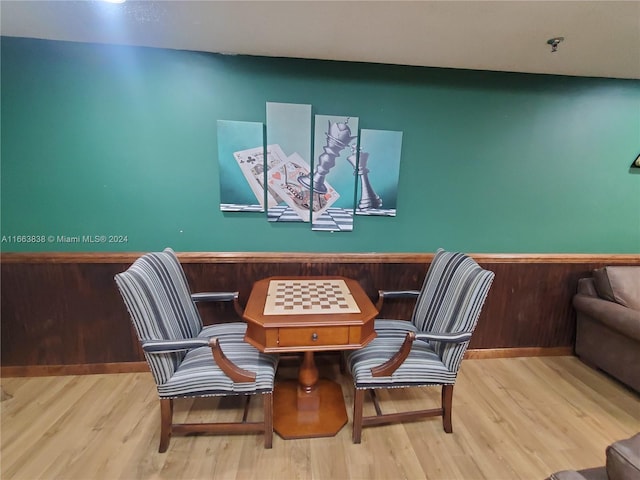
(308, 314)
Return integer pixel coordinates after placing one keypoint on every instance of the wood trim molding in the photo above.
(137, 367)
(86, 369)
(483, 353)
(309, 257)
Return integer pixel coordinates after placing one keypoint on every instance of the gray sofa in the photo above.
(608, 322)
(623, 463)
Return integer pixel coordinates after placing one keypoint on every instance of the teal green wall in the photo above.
(106, 140)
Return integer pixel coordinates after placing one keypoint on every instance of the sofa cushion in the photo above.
(619, 284)
(623, 459)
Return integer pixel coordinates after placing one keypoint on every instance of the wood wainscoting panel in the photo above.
(64, 314)
(63, 309)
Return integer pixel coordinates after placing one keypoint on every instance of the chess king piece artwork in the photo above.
(338, 138)
(332, 204)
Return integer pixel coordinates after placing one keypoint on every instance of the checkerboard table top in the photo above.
(313, 296)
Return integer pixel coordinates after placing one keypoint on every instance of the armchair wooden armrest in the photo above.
(233, 371)
(391, 365)
(219, 297)
(390, 294)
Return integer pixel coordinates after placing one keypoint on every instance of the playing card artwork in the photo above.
(253, 166)
(289, 127)
(241, 180)
(284, 180)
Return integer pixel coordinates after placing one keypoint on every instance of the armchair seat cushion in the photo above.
(198, 374)
(422, 367)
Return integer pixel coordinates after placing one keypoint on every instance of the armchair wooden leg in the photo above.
(166, 419)
(358, 402)
(447, 397)
(267, 399)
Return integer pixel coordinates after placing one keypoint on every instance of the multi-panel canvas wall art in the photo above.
(348, 171)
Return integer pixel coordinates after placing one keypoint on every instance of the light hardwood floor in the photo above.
(513, 418)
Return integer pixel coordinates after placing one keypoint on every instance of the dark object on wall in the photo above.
(554, 42)
(636, 162)
(608, 322)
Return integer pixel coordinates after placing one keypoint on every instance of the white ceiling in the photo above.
(602, 38)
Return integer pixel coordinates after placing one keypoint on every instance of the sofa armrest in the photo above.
(596, 473)
(566, 475)
(587, 286)
(623, 459)
(613, 315)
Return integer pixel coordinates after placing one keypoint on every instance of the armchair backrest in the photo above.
(158, 298)
(450, 301)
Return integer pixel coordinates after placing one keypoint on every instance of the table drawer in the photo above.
(310, 336)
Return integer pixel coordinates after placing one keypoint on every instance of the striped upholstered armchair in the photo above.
(428, 349)
(187, 359)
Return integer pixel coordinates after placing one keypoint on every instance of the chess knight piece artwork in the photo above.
(379, 171)
(368, 197)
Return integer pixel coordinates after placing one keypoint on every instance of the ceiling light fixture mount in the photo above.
(554, 42)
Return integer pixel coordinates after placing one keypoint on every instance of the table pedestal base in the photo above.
(297, 414)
